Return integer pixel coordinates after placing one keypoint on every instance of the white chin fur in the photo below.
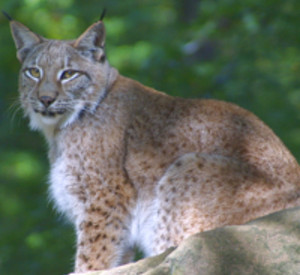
(48, 120)
(48, 123)
(40, 122)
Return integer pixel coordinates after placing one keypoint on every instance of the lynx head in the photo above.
(61, 80)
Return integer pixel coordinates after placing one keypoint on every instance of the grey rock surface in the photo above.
(266, 246)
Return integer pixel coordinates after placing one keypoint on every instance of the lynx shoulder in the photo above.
(131, 166)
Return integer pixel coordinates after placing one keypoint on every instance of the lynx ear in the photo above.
(24, 39)
(92, 41)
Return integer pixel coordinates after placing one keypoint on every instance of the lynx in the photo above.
(134, 167)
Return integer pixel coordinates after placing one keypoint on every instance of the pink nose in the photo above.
(46, 100)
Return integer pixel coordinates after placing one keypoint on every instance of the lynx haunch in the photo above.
(131, 166)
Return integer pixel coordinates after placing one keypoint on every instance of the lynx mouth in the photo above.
(48, 113)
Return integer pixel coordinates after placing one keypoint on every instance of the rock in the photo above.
(267, 246)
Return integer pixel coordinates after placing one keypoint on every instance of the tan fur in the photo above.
(133, 166)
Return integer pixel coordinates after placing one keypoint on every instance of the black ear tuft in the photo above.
(7, 15)
(102, 14)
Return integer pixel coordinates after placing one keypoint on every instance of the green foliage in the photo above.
(247, 52)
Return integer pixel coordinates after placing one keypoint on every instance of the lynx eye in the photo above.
(68, 75)
(33, 73)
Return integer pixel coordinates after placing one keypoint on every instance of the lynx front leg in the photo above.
(102, 233)
(100, 244)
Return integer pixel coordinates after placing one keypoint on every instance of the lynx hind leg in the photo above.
(199, 192)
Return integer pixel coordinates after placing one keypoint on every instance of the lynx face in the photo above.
(60, 80)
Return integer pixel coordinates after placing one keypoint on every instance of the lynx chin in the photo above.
(134, 167)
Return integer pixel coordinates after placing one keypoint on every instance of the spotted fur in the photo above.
(131, 166)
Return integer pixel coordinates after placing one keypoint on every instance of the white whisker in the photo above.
(14, 109)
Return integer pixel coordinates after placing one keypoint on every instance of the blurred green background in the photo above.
(247, 52)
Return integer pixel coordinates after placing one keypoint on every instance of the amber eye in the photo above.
(33, 73)
(68, 75)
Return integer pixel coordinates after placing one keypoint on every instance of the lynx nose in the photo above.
(46, 100)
